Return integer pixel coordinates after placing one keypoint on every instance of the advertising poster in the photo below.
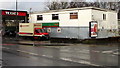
(93, 29)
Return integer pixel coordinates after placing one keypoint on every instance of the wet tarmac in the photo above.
(69, 55)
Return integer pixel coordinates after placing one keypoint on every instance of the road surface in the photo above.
(70, 55)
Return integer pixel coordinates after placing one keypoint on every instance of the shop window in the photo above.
(55, 16)
(74, 15)
(104, 16)
(39, 17)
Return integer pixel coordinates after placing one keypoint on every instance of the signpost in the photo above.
(16, 22)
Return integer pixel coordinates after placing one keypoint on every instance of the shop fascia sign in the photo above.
(51, 24)
(13, 13)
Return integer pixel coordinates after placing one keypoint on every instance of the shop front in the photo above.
(11, 19)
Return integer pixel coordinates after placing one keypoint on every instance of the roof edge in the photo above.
(83, 8)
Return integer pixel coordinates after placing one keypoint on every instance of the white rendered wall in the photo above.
(33, 18)
(109, 23)
(84, 17)
(66, 21)
(112, 20)
(98, 16)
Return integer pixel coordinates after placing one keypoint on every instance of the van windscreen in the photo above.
(40, 30)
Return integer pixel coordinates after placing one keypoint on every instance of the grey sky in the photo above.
(36, 6)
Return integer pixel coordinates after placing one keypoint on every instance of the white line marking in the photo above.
(117, 53)
(107, 51)
(97, 51)
(81, 61)
(47, 56)
(27, 52)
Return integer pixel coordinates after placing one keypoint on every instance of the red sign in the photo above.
(24, 25)
(37, 24)
(13, 13)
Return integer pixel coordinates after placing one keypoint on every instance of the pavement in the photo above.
(49, 43)
(42, 43)
(33, 43)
